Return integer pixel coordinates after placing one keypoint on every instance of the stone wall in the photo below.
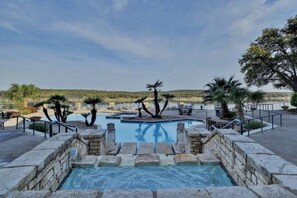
(194, 137)
(45, 166)
(96, 141)
(249, 163)
(271, 191)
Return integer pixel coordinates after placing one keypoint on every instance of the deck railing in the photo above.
(272, 117)
(48, 126)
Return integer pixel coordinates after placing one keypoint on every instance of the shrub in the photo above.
(253, 125)
(38, 127)
(294, 99)
(285, 107)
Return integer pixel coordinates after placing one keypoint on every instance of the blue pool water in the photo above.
(148, 177)
(140, 132)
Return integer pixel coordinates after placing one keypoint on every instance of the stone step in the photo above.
(87, 161)
(164, 148)
(114, 150)
(128, 148)
(178, 149)
(108, 160)
(185, 159)
(147, 160)
(145, 148)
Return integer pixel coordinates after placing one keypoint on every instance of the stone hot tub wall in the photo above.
(44, 167)
(96, 141)
(250, 163)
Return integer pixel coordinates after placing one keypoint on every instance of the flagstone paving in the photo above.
(14, 143)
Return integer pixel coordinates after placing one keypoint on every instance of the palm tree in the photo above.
(256, 97)
(86, 115)
(156, 100)
(41, 104)
(57, 103)
(92, 101)
(143, 105)
(139, 102)
(167, 97)
(219, 91)
(239, 96)
(56, 100)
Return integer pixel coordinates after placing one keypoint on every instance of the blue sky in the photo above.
(125, 44)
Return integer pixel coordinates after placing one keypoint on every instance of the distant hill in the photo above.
(127, 96)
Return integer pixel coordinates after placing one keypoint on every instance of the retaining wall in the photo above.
(44, 167)
(250, 163)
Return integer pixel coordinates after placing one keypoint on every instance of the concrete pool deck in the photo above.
(281, 140)
(14, 143)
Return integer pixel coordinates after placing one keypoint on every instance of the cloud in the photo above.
(119, 5)
(9, 26)
(145, 47)
(255, 14)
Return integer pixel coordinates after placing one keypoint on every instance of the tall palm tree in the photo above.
(219, 91)
(256, 97)
(92, 101)
(167, 97)
(239, 96)
(156, 100)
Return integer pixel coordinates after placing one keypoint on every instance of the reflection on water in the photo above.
(140, 132)
(158, 132)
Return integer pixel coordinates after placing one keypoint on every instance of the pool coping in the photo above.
(155, 120)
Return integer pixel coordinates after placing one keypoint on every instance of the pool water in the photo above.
(140, 132)
(147, 177)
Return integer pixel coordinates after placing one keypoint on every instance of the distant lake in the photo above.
(133, 106)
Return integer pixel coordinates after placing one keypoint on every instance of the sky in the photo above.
(125, 44)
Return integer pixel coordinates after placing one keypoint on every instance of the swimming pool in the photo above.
(147, 177)
(140, 132)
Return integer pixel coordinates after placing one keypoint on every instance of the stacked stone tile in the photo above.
(194, 137)
(44, 167)
(217, 192)
(96, 139)
(195, 142)
(248, 162)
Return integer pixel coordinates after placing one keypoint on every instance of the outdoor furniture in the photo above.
(4, 115)
(10, 114)
(185, 111)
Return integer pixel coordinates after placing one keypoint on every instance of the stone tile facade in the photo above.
(271, 191)
(96, 141)
(194, 138)
(44, 167)
(249, 163)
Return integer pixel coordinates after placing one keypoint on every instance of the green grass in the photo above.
(253, 124)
